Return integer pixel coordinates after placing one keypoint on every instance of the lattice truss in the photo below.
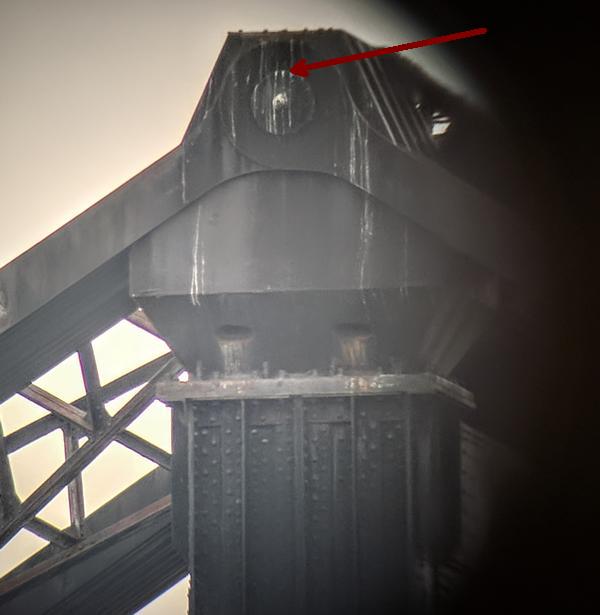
(89, 425)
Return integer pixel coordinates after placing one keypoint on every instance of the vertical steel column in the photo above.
(8, 496)
(75, 487)
(91, 381)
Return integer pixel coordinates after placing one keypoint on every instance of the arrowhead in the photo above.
(300, 69)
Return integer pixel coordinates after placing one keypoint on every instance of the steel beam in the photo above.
(91, 380)
(342, 385)
(144, 448)
(74, 417)
(48, 532)
(80, 274)
(128, 381)
(9, 503)
(68, 321)
(83, 457)
(57, 406)
(75, 487)
(29, 433)
(86, 545)
(47, 424)
(91, 239)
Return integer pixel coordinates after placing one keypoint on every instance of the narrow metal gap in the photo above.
(243, 499)
(299, 512)
(189, 415)
(355, 527)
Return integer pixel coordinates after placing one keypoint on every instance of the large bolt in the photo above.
(234, 342)
(354, 342)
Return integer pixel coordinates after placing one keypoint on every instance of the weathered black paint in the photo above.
(312, 505)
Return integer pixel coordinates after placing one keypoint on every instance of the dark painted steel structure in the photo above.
(346, 503)
(324, 257)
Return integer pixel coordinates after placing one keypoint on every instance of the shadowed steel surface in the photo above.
(322, 256)
(331, 506)
(330, 272)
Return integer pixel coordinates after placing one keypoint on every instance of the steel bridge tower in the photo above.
(339, 265)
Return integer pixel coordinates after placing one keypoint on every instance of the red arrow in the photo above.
(301, 68)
